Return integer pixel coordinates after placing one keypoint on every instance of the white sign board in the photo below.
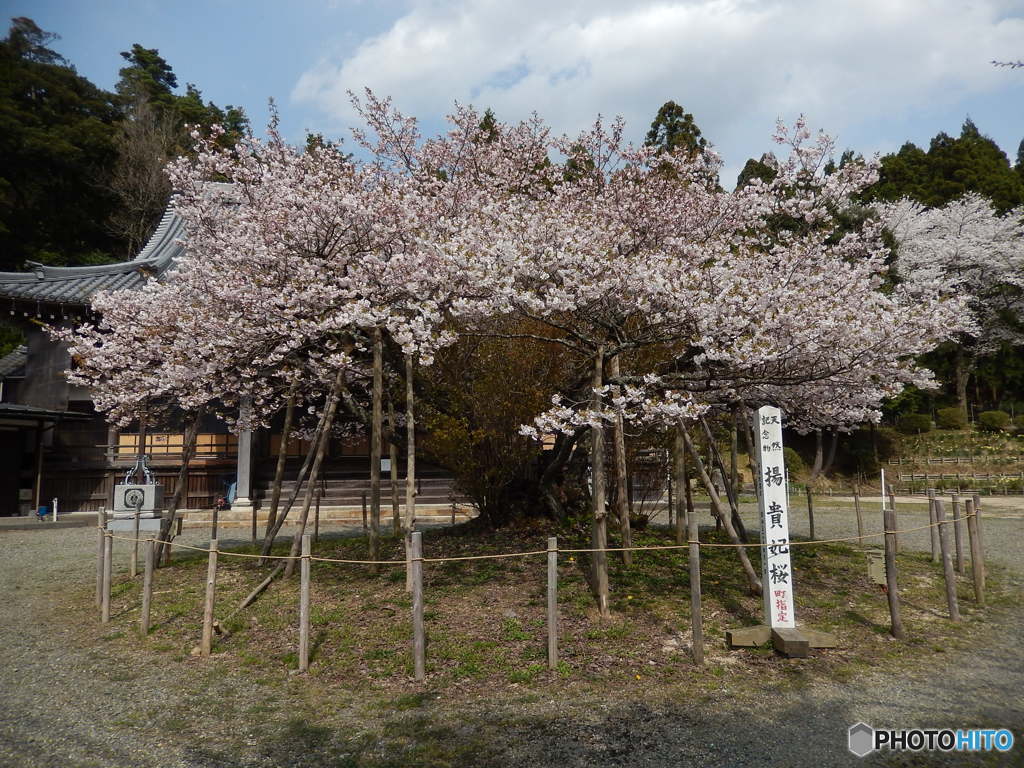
(385, 465)
(776, 572)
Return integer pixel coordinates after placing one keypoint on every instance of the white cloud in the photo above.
(735, 64)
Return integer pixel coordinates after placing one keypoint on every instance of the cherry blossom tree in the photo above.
(967, 248)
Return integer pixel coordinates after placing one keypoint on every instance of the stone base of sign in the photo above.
(819, 639)
(792, 642)
(748, 637)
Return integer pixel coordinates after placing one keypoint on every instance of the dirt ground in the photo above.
(74, 695)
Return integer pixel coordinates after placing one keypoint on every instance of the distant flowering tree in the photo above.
(966, 248)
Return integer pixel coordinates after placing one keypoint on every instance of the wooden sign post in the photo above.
(776, 569)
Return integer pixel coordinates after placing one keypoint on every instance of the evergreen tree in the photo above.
(57, 143)
(673, 127)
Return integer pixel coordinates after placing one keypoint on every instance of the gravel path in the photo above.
(68, 700)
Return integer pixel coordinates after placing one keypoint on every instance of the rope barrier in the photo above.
(532, 553)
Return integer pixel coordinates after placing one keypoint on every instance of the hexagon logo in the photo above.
(861, 739)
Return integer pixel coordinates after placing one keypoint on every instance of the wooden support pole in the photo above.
(860, 516)
(810, 509)
(933, 531)
(958, 535)
(365, 527)
(947, 561)
(552, 602)
(696, 620)
(307, 551)
(211, 583)
(892, 593)
(977, 558)
(316, 517)
(981, 532)
(147, 587)
(108, 565)
(418, 635)
(101, 527)
(895, 518)
(214, 523)
(135, 544)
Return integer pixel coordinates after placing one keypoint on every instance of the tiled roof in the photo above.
(75, 285)
(13, 362)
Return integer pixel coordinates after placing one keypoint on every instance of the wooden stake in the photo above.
(895, 517)
(304, 604)
(696, 622)
(108, 565)
(896, 623)
(958, 535)
(147, 587)
(981, 532)
(947, 562)
(552, 602)
(364, 511)
(418, 635)
(211, 582)
(933, 531)
(860, 516)
(810, 509)
(977, 558)
(410, 466)
(101, 527)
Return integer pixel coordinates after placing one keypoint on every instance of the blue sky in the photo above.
(875, 73)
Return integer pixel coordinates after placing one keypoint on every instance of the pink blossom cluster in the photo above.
(709, 298)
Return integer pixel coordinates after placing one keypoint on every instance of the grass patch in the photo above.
(487, 630)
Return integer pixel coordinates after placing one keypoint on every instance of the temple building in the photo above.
(53, 443)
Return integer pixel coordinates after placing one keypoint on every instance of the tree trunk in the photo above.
(599, 534)
(961, 373)
(166, 525)
(376, 429)
(622, 506)
(831, 458)
(141, 447)
(746, 421)
(716, 505)
(282, 458)
(818, 455)
(730, 491)
(314, 472)
(303, 476)
(396, 516)
(734, 471)
(682, 481)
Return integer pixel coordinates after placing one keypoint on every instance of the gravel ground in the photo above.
(69, 700)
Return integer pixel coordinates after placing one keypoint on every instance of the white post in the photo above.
(54, 510)
(883, 490)
(776, 570)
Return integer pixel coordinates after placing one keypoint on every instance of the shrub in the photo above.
(794, 463)
(993, 421)
(914, 423)
(950, 418)
(1018, 422)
